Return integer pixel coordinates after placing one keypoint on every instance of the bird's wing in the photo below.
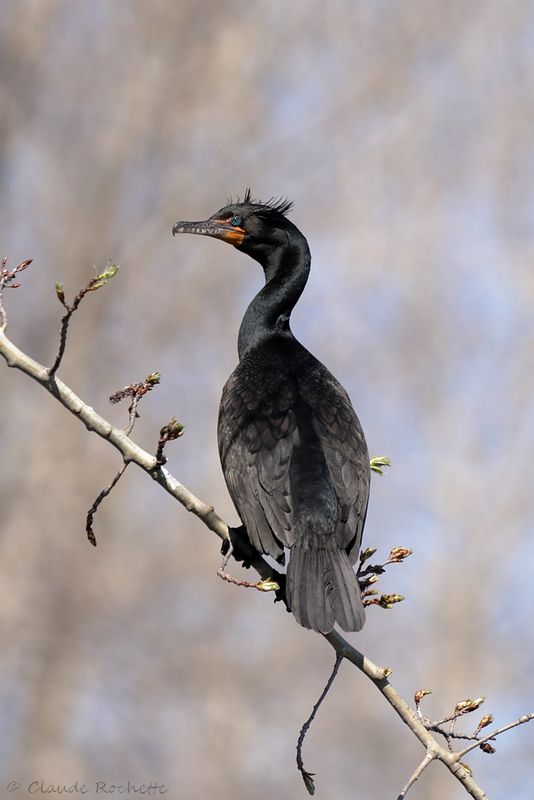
(343, 444)
(257, 433)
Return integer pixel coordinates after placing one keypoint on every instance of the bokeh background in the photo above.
(404, 133)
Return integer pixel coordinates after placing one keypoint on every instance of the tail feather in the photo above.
(322, 588)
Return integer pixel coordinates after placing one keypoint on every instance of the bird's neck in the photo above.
(286, 272)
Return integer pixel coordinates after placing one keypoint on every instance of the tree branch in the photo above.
(493, 734)
(379, 676)
(132, 453)
(308, 776)
(418, 771)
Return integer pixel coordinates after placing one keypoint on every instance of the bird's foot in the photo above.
(242, 550)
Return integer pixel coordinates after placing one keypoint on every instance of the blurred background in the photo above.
(403, 131)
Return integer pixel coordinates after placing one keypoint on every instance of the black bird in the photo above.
(292, 449)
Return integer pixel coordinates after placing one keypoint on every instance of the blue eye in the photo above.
(236, 221)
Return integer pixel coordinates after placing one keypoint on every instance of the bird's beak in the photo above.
(217, 228)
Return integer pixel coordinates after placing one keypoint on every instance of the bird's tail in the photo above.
(322, 588)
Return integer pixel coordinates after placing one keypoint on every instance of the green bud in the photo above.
(308, 781)
(104, 277)
(484, 722)
(399, 554)
(378, 462)
(268, 585)
(466, 706)
(60, 294)
(388, 600)
(418, 696)
(366, 554)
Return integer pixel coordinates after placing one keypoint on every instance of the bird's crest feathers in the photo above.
(274, 205)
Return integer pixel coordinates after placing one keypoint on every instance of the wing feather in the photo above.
(258, 433)
(343, 444)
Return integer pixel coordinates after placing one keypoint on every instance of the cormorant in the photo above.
(292, 449)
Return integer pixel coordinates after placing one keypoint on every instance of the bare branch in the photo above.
(521, 721)
(379, 676)
(307, 777)
(104, 493)
(94, 422)
(94, 284)
(428, 759)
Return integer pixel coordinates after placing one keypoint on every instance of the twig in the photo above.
(94, 284)
(461, 709)
(493, 734)
(450, 734)
(429, 757)
(265, 585)
(136, 391)
(396, 556)
(307, 777)
(172, 430)
(368, 576)
(104, 493)
(7, 276)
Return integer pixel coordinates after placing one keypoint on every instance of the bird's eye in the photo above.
(236, 221)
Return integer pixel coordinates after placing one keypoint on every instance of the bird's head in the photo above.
(253, 227)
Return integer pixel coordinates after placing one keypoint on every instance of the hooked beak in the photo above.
(218, 229)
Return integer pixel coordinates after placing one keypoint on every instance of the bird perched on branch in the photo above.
(292, 449)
